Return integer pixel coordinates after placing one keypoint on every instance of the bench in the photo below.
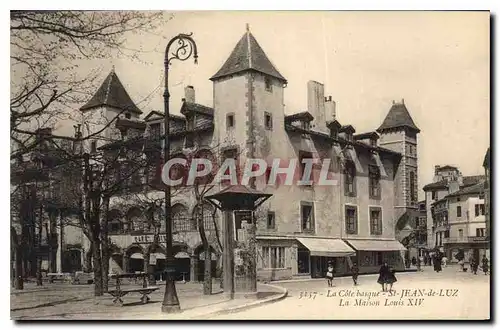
(64, 277)
(118, 293)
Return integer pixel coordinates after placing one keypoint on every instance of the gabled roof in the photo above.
(248, 55)
(112, 94)
(398, 117)
(195, 107)
(476, 189)
(471, 180)
(304, 115)
(440, 185)
(347, 128)
(368, 135)
(334, 123)
(161, 115)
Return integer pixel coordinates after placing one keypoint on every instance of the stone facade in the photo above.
(362, 208)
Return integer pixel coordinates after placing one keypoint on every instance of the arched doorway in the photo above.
(135, 259)
(200, 253)
(157, 258)
(182, 262)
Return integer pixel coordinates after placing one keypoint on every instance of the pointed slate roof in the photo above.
(247, 55)
(398, 116)
(112, 94)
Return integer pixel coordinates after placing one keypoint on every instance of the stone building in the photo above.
(447, 180)
(460, 225)
(301, 227)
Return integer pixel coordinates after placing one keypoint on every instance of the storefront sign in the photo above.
(149, 239)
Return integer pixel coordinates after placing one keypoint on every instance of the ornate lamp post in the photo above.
(228, 200)
(183, 49)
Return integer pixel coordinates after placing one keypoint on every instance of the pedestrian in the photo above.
(485, 265)
(444, 261)
(391, 278)
(425, 260)
(383, 272)
(474, 265)
(437, 263)
(414, 261)
(461, 263)
(419, 263)
(355, 273)
(329, 274)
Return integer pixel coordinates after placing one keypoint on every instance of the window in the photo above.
(273, 257)
(351, 220)
(230, 154)
(434, 195)
(459, 211)
(460, 233)
(375, 221)
(307, 216)
(413, 190)
(271, 220)
(305, 155)
(477, 210)
(128, 115)
(374, 181)
(480, 232)
(180, 219)
(458, 199)
(481, 209)
(350, 178)
(334, 133)
(268, 83)
(230, 121)
(93, 147)
(306, 125)
(447, 234)
(373, 142)
(155, 131)
(268, 121)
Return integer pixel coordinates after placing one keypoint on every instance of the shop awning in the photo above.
(326, 247)
(136, 255)
(376, 245)
(182, 255)
(159, 255)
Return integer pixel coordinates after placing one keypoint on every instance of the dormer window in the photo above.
(128, 115)
(373, 142)
(268, 83)
(306, 125)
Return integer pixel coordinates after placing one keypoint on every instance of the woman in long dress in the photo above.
(383, 276)
(329, 274)
(485, 265)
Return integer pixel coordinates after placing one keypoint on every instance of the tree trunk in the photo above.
(18, 281)
(105, 246)
(96, 258)
(207, 278)
(38, 250)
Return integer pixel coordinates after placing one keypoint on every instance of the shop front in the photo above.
(314, 254)
(371, 254)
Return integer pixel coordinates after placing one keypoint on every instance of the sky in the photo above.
(438, 62)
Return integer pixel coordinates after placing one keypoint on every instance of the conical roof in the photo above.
(112, 94)
(397, 117)
(248, 55)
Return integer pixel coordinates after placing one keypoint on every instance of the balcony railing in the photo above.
(466, 239)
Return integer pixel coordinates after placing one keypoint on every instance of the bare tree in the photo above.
(46, 50)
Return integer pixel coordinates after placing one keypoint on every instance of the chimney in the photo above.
(189, 94)
(330, 109)
(316, 104)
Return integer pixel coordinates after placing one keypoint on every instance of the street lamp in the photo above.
(183, 49)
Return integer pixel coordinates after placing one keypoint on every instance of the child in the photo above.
(355, 272)
(329, 274)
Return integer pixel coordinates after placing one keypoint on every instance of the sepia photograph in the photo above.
(250, 165)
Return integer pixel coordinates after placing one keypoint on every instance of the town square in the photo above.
(323, 172)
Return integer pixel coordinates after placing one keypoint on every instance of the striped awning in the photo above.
(376, 245)
(326, 247)
(137, 255)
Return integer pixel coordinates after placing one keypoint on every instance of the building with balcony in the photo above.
(301, 227)
(459, 223)
(447, 179)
